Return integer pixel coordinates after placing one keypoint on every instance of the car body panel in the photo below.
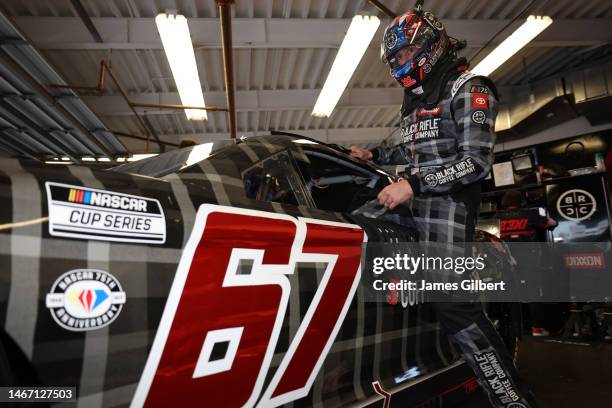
(393, 345)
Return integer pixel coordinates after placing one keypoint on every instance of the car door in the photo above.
(407, 341)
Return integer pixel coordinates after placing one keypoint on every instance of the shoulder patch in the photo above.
(480, 101)
(463, 78)
(479, 117)
(479, 89)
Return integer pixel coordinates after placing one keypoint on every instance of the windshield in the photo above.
(174, 160)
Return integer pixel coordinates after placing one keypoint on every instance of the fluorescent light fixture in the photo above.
(176, 40)
(530, 29)
(88, 159)
(355, 43)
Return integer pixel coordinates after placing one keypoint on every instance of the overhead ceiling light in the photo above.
(530, 29)
(176, 40)
(355, 43)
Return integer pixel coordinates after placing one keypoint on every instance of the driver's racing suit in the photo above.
(449, 149)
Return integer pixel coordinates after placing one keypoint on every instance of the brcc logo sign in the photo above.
(576, 205)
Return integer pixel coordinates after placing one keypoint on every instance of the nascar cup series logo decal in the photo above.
(88, 213)
(85, 299)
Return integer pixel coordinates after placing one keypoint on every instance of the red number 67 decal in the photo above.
(219, 329)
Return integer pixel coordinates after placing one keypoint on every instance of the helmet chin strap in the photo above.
(430, 92)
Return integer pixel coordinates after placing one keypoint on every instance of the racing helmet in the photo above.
(412, 45)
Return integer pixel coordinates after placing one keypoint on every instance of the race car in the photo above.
(222, 274)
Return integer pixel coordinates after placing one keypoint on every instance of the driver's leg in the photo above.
(447, 220)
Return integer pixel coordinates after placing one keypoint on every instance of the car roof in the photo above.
(176, 160)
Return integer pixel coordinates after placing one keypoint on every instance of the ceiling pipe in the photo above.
(172, 106)
(104, 68)
(78, 7)
(137, 137)
(382, 8)
(127, 99)
(228, 66)
(148, 129)
(6, 59)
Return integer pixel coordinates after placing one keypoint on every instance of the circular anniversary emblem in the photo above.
(85, 299)
(427, 68)
(576, 205)
(479, 117)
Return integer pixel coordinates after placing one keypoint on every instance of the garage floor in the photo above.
(564, 373)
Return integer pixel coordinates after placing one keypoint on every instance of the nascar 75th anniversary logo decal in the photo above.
(88, 213)
(220, 326)
(85, 299)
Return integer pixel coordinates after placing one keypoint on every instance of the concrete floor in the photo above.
(563, 373)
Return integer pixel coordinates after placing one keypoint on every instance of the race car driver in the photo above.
(447, 128)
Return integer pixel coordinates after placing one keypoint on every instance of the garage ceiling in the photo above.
(283, 52)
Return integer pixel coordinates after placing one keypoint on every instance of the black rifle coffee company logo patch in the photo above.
(576, 205)
(87, 213)
(423, 129)
(479, 117)
(489, 364)
(451, 173)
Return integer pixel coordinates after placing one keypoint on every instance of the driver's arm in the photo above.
(395, 155)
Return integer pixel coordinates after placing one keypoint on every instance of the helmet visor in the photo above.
(404, 55)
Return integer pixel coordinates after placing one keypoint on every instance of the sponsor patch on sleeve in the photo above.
(88, 213)
(480, 101)
(479, 117)
(479, 89)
